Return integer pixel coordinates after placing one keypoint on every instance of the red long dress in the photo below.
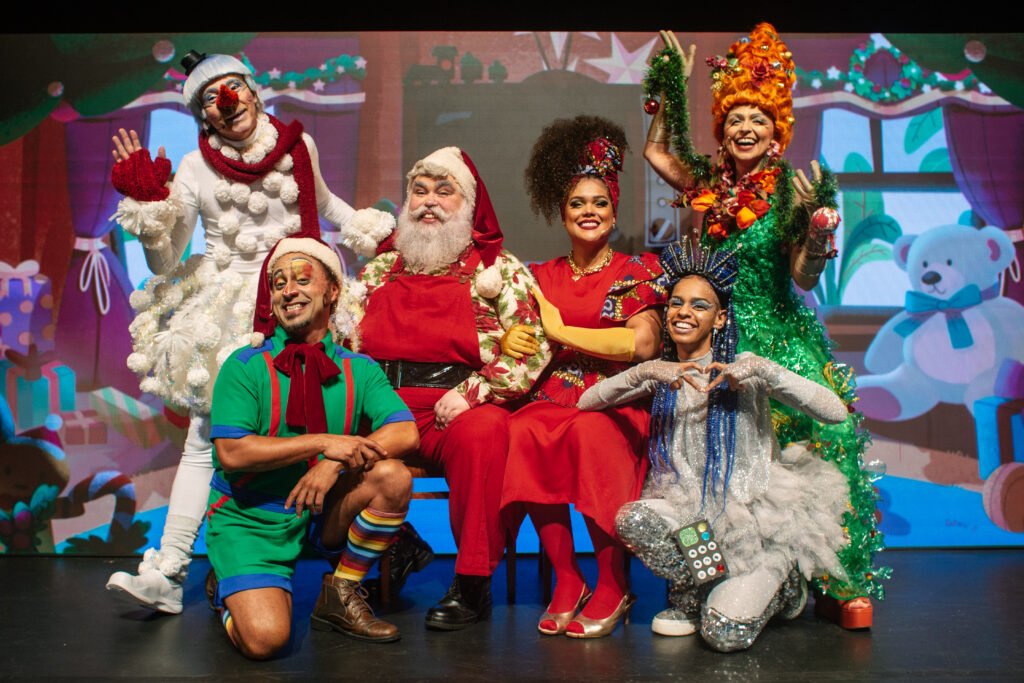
(558, 453)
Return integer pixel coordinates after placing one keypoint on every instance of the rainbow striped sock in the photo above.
(369, 536)
(229, 624)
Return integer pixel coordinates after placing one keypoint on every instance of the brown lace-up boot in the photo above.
(342, 607)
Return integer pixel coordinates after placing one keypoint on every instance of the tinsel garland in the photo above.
(665, 78)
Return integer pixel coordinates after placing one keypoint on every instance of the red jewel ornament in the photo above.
(651, 106)
(825, 218)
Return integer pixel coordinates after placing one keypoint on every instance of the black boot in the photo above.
(466, 602)
(409, 553)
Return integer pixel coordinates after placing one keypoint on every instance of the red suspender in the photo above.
(275, 395)
(275, 424)
(350, 394)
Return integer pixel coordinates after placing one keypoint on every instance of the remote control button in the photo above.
(698, 564)
(692, 553)
(703, 549)
(701, 575)
(721, 567)
(716, 557)
(707, 561)
(712, 545)
(711, 572)
(702, 526)
(705, 536)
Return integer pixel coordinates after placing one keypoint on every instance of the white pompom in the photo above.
(246, 243)
(355, 289)
(257, 203)
(222, 191)
(231, 153)
(488, 282)
(215, 142)
(198, 376)
(289, 191)
(285, 163)
(292, 225)
(273, 236)
(150, 385)
(256, 340)
(241, 309)
(272, 182)
(240, 193)
(229, 224)
(222, 256)
(139, 363)
(140, 299)
(207, 336)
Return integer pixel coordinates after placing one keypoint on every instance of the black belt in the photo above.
(403, 373)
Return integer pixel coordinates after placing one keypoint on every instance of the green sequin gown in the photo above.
(774, 323)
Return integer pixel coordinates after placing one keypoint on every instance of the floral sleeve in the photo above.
(503, 378)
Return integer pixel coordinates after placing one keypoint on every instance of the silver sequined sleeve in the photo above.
(789, 388)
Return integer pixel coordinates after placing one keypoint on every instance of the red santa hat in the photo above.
(264, 323)
(452, 161)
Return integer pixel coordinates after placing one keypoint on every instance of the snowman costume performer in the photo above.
(253, 181)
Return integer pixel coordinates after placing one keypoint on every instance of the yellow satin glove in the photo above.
(611, 343)
(519, 341)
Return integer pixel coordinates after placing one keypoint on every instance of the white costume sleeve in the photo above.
(332, 207)
(637, 382)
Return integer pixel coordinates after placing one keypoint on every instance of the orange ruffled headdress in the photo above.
(758, 71)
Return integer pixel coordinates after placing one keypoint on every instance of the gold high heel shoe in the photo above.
(598, 628)
(562, 619)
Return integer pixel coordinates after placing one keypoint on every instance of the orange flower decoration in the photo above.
(745, 218)
(759, 207)
(718, 231)
(704, 202)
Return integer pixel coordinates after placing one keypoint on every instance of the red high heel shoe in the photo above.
(853, 614)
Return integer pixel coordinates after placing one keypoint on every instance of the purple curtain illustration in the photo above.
(92, 332)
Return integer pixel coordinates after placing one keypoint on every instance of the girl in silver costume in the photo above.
(776, 513)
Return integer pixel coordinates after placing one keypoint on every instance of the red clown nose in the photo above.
(227, 99)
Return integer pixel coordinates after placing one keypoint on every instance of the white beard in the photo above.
(429, 248)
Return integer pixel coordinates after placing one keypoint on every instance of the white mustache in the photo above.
(441, 214)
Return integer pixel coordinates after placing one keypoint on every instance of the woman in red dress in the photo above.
(558, 454)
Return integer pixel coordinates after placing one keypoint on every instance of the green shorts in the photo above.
(252, 547)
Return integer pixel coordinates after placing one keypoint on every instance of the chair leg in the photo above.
(510, 567)
(544, 571)
(385, 579)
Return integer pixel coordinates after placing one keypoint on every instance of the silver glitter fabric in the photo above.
(649, 537)
(728, 634)
(685, 598)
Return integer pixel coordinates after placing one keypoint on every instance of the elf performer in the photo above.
(785, 223)
(253, 180)
(759, 517)
(439, 296)
(290, 470)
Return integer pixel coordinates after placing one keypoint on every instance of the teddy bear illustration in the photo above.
(956, 336)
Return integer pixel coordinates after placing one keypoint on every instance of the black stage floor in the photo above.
(949, 616)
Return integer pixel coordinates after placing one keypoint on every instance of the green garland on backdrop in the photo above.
(911, 80)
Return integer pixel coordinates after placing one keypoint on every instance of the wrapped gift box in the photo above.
(26, 307)
(142, 424)
(999, 424)
(35, 386)
(82, 427)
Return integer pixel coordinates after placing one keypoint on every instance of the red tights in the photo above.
(555, 532)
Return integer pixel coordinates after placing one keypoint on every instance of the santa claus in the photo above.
(440, 293)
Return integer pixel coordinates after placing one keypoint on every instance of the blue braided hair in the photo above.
(718, 268)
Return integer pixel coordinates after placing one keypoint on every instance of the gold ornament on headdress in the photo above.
(758, 71)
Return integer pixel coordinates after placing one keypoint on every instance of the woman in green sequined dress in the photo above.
(781, 225)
